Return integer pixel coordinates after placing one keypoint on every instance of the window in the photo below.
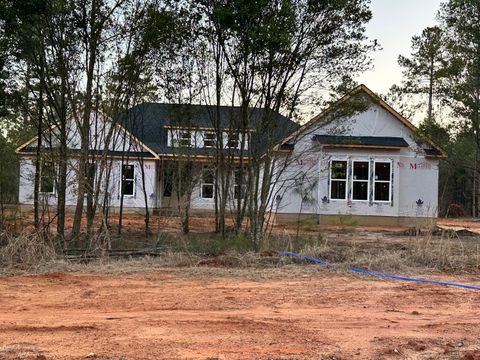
(185, 139)
(182, 138)
(209, 139)
(172, 138)
(338, 180)
(91, 171)
(382, 181)
(208, 182)
(360, 180)
(47, 177)
(232, 140)
(128, 180)
(167, 182)
(239, 182)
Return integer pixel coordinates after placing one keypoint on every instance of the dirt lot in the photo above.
(292, 312)
(222, 308)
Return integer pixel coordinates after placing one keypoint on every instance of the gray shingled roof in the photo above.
(147, 122)
(379, 141)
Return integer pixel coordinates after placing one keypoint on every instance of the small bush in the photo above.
(239, 243)
(25, 250)
(455, 211)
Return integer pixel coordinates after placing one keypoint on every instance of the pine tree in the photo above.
(424, 70)
(460, 20)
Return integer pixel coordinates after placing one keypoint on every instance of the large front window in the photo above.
(360, 180)
(338, 180)
(382, 181)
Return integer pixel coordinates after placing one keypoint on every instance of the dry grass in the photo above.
(253, 268)
(429, 251)
(26, 251)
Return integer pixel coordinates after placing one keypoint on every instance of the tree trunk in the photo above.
(62, 168)
(186, 217)
(91, 42)
(430, 92)
(145, 196)
(36, 186)
(62, 185)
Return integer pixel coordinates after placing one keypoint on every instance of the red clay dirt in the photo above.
(202, 313)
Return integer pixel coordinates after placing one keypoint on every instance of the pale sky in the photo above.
(393, 24)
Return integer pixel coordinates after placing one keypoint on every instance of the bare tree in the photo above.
(275, 52)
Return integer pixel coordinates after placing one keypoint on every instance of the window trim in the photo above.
(53, 192)
(133, 179)
(330, 179)
(202, 182)
(353, 180)
(383, 181)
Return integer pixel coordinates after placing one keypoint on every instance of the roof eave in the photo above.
(361, 146)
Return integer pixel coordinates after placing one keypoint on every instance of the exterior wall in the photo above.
(27, 178)
(199, 203)
(418, 181)
(306, 171)
(206, 205)
(100, 131)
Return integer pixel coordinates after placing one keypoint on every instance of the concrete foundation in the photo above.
(285, 219)
(355, 220)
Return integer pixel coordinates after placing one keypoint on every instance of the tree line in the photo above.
(441, 81)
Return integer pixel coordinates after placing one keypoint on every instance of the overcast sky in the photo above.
(393, 24)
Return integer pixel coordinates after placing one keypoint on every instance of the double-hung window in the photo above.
(47, 177)
(382, 181)
(239, 182)
(167, 181)
(90, 175)
(232, 140)
(360, 180)
(208, 182)
(185, 138)
(338, 180)
(209, 139)
(128, 180)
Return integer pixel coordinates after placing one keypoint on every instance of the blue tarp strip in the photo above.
(375, 273)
